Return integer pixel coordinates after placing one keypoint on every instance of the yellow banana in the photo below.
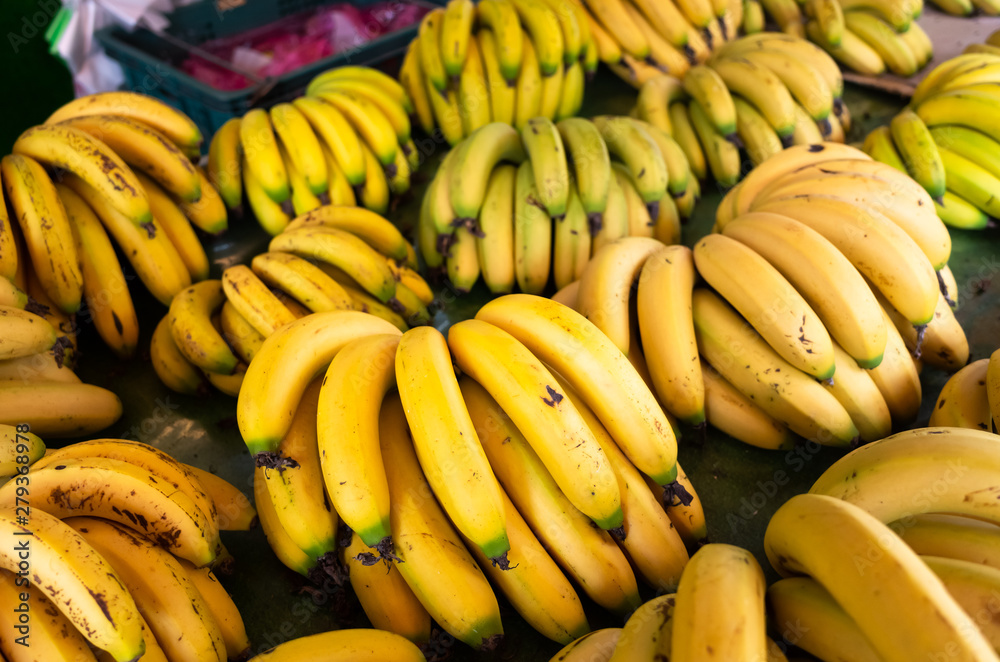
(191, 326)
(178, 228)
(532, 232)
(224, 163)
(302, 280)
(171, 366)
(254, 301)
(262, 158)
(361, 645)
(222, 609)
(963, 401)
(337, 135)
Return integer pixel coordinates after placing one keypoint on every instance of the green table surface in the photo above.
(740, 486)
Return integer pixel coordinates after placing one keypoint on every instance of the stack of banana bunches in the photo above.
(107, 175)
(345, 142)
(332, 258)
(850, 296)
(868, 37)
(518, 207)
(948, 140)
(871, 568)
(114, 558)
(450, 479)
(498, 61)
(754, 97)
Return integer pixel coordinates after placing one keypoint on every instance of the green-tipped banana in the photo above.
(478, 156)
(591, 164)
(704, 85)
(545, 150)
(919, 151)
(629, 142)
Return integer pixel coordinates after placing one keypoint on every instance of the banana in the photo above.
(571, 242)
(177, 613)
(897, 378)
(50, 635)
(808, 617)
(361, 644)
(829, 15)
(554, 428)
(973, 587)
(760, 86)
(614, 221)
(647, 632)
(501, 90)
(704, 85)
(716, 575)
(301, 279)
(606, 285)
(699, 13)
(950, 536)
(534, 584)
(801, 338)
(337, 135)
(919, 43)
(369, 122)
(831, 537)
(381, 97)
(639, 222)
(178, 228)
(855, 389)
(542, 24)
(721, 154)
(943, 73)
(411, 77)
(295, 487)
(828, 282)
(273, 386)
(8, 243)
(495, 248)
(597, 369)
(224, 166)
(456, 27)
(591, 165)
(386, 599)
(897, 15)
(794, 47)
(646, 525)
(687, 139)
(347, 433)
(301, 147)
(883, 39)
(43, 366)
(221, 608)
(345, 251)
(92, 160)
(853, 52)
(366, 303)
(20, 448)
(993, 387)
(148, 249)
(970, 181)
(228, 384)
(447, 113)
(77, 579)
(460, 600)
(171, 366)
(290, 555)
(911, 290)
(572, 26)
(942, 343)
(631, 143)
(475, 160)
(663, 301)
(918, 151)
(733, 413)
(595, 645)
(587, 553)
(24, 333)
(430, 394)
(262, 159)
(880, 146)
(654, 99)
(806, 129)
(546, 153)
(759, 138)
(129, 494)
(969, 144)
(254, 301)
(807, 85)
(40, 216)
(504, 26)
(532, 231)
(209, 212)
(462, 262)
(551, 93)
(746, 361)
(372, 76)
(374, 193)
(192, 330)
(688, 514)
(474, 105)
(608, 49)
(963, 401)
(271, 216)
(873, 186)
(431, 60)
(662, 54)
(373, 228)
(753, 17)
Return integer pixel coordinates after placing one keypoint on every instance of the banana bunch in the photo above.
(515, 206)
(865, 36)
(947, 143)
(332, 396)
(350, 645)
(971, 397)
(345, 142)
(331, 258)
(104, 170)
(498, 61)
(970, 8)
(718, 606)
(643, 39)
(123, 539)
(878, 297)
(38, 387)
(870, 522)
(760, 94)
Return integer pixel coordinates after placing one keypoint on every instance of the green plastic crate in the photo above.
(152, 63)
